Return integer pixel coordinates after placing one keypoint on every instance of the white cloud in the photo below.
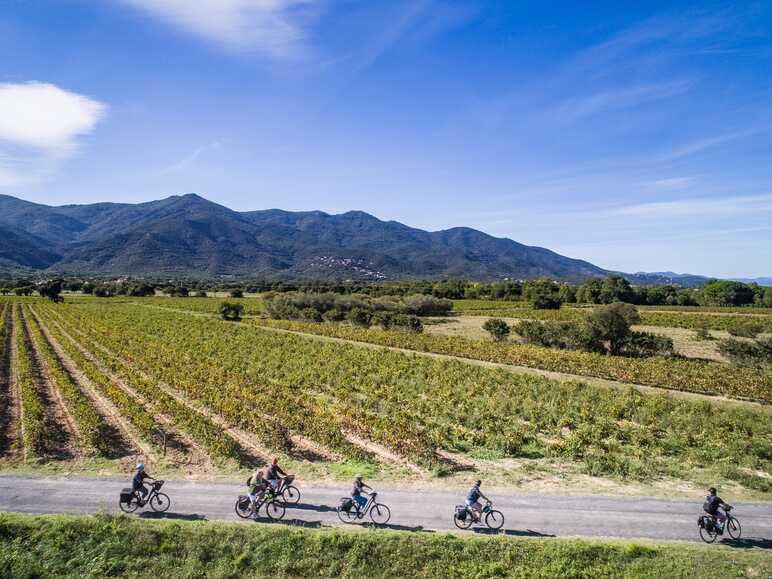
(670, 183)
(277, 28)
(698, 207)
(40, 125)
(44, 116)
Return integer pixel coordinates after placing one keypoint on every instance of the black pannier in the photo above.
(127, 495)
(346, 504)
(461, 512)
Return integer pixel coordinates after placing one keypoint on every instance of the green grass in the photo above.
(98, 546)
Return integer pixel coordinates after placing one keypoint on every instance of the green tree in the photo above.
(497, 328)
(589, 291)
(613, 325)
(542, 294)
(615, 288)
(567, 294)
(725, 293)
(231, 311)
(237, 293)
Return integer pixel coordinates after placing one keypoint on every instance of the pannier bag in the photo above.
(461, 512)
(347, 504)
(127, 495)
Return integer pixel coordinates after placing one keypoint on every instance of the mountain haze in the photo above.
(191, 236)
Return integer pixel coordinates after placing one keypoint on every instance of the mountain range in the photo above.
(189, 236)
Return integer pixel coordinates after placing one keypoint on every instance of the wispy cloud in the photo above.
(618, 99)
(275, 28)
(697, 207)
(669, 183)
(191, 158)
(41, 125)
(704, 143)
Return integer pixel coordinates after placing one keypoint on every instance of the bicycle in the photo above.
(349, 513)
(274, 506)
(288, 492)
(131, 500)
(710, 529)
(464, 517)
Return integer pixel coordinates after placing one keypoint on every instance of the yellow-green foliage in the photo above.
(101, 546)
(415, 404)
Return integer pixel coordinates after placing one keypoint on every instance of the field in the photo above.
(97, 384)
(118, 546)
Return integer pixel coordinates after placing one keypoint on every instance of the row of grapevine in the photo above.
(140, 418)
(243, 407)
(91, 425)
(665, 319)
(673, 373)
(205, 432)
(414, 404)
(32, 409)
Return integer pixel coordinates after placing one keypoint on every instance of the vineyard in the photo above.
(676, 374)
(675, 319)
(230, 393)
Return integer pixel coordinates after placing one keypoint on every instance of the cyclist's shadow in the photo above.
(748, 543)
(177, 516)
(310, 507)
(511, 532)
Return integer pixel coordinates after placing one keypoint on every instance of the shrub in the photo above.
(612, 324)
(421, 305)
(497, 328)
(407, 323)
(231, 311)
(746, 329)
(359, 317)
(201, 294)
(237, 293)
(753, 354)
(334, 315)
(643, 344)
(310, 315)
(383, 319)
(702, 334)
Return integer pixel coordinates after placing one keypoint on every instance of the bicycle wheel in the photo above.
(160, 503)
(380, 514)
(733, 527)
(243, 507)
(464, 523)
(290, 495)
(275, 510)
(347, 516)
(131, 506)
(494, 519)
(708, 535)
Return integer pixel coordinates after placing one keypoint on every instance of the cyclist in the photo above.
(712, 504)
(140, 479)
(358, 490)
(473, 500)
(272, 474)
(257, 487)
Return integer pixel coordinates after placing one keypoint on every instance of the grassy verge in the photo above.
(108, 545)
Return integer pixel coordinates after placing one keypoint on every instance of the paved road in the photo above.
(526, 515)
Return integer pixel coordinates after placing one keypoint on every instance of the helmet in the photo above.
(359, 477)
(275, 461)
(477, 483)
(140, 466)
(712, 490)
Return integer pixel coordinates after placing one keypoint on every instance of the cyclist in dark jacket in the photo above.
(712, 504)
(140, 479)
(272, 474)
(358, 490)
(473, 500)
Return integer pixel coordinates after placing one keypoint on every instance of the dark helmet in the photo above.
(477, 483)
(712, 490)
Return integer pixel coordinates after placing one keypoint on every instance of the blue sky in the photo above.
(636, 135)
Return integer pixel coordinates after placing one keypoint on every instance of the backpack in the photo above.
(710, 505)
